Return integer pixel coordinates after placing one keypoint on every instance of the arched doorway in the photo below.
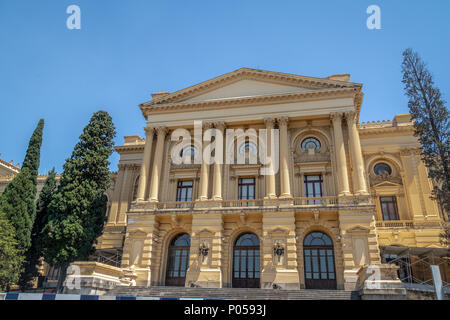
(246, 258)
(178, 260)
(318, 254)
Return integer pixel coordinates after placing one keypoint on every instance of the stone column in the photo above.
(357, 159)
(341, 161)
(157, 163)
(217, 178)
(270, 179)
(144, 175)
(285, 185)
(204, 170)
(115, 203)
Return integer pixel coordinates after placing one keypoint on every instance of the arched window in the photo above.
(178, 260)
(249, 147)
(310, 143)
(246, 262)
(382, 168)
(319, 261)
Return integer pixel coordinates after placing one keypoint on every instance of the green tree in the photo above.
(10, 257)
(431, 124)
(18, 199)
(33, 155)
(77, 209)
(35, 252)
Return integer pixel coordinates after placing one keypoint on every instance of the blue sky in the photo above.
(126, 50)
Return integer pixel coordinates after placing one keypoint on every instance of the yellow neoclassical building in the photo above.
(345, 195)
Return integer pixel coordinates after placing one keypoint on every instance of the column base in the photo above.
(380, 282)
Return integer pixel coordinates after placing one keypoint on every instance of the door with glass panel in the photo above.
(246, 191)
(178, 260)
(318, 254)
(246, 261)
(184, 192)
(313, 188)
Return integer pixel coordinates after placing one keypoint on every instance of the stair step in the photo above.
(236, 293)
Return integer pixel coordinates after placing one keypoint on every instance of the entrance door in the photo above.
(246, 258)
(178, 260)
(319, 261)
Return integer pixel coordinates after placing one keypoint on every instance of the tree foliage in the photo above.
(77, 209)
(431, 123)
(10, 258)
(33, 156)
(35, 252)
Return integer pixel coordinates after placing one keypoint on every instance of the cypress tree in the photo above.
(18, 199)
(34, 253)
(77, 209)
(33, 155)
(10, 257)
(431, 124)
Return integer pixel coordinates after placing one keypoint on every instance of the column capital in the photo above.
(219, 125)
(269, 122)
(161, 131)
(283, 121)
(207, 125)
(336, 116)
(149, 130)
(350, 116)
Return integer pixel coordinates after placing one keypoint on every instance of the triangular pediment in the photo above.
(247, 82)
(387, 184)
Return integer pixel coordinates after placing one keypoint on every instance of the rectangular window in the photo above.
(246, 190)
(313, 187)
(184, 190)
(389, 208)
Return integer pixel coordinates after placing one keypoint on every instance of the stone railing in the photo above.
(296, 202)
(408, 224)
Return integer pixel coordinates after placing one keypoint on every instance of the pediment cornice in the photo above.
(256, 100)
(251, 74)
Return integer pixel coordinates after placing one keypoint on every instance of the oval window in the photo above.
(249, 147)
(382, 168)
(310, 143)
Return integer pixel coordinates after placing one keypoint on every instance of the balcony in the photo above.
(298, 203)
(408, 224)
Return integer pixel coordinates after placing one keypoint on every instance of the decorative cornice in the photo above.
(246, 101)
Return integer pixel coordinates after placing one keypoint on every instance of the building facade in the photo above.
(344, 195)
(345, 191)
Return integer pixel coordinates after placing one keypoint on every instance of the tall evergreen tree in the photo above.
(33, 155)
(10, 258)
(77, 209)
(431, 124)
(18, 199)
(35, 252)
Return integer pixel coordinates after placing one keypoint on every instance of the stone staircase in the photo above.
(235, 293)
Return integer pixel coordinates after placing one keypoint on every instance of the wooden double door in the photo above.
(318, 255)
(246, 262)
(178, 260)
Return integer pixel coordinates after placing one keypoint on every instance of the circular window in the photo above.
(382, 168)
(310, 143)
(189, 151)
(249, 147)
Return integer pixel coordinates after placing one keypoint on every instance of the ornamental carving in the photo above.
(383, 177)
